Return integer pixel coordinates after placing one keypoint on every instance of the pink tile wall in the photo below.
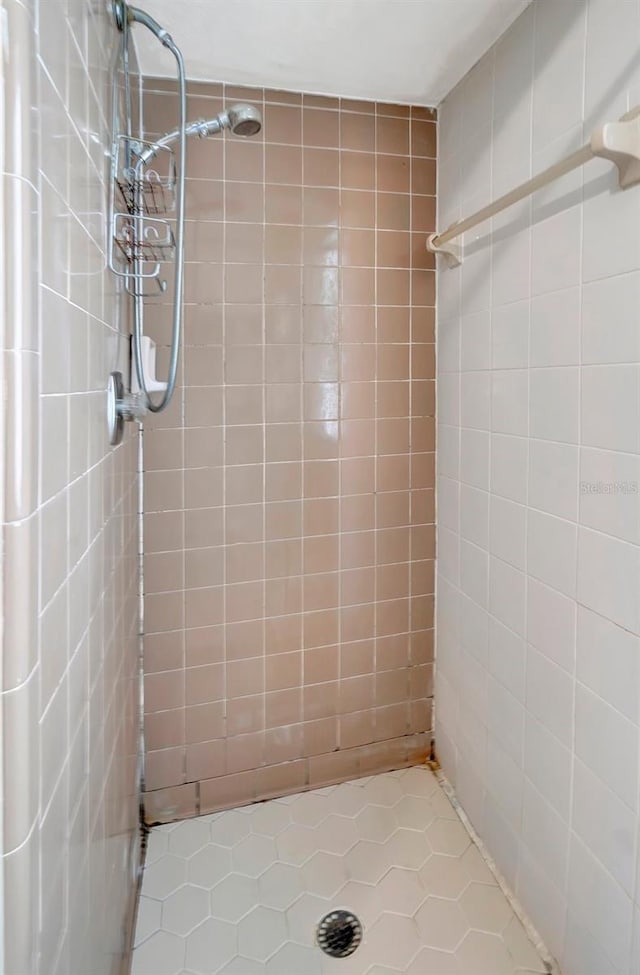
(69, 648)
(289, 489)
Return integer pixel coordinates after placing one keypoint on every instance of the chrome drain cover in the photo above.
(339, 933)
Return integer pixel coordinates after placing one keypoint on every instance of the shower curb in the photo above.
(532, 932)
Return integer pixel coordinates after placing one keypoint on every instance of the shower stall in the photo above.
(221, 448)
(273, 615)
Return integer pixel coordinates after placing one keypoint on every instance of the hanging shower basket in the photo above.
(141, 198)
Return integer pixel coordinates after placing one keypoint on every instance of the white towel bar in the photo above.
(617, 141)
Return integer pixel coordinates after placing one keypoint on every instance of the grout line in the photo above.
(339, 413)
(223, 421)
(376, 455)
(263, 333)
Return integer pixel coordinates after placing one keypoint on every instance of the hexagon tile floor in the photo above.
(241, 892)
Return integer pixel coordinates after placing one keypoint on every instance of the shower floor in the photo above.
(241, 892)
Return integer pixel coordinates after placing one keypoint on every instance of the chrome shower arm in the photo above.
(241, 119)
(202, 128)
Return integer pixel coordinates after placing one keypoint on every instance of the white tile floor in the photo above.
(241, 892)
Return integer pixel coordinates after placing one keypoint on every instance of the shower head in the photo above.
(242, 119)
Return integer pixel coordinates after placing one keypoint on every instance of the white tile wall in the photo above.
(68, 505)
(539, 490)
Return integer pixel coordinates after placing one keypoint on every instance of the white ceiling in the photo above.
(406, 51)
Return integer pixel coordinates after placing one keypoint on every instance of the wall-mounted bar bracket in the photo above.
(619, 142)
(122, 406)
(452, 253)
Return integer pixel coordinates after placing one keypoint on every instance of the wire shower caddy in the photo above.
(142, 198)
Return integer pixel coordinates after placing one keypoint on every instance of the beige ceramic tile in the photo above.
(272, 531)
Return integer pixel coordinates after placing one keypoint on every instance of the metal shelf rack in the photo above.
(142, 198)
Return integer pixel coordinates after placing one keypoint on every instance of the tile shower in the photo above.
(285, 509)
(289, 488)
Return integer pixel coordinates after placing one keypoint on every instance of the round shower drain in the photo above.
(339, 933)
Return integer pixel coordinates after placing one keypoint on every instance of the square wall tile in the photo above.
(299, 459)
